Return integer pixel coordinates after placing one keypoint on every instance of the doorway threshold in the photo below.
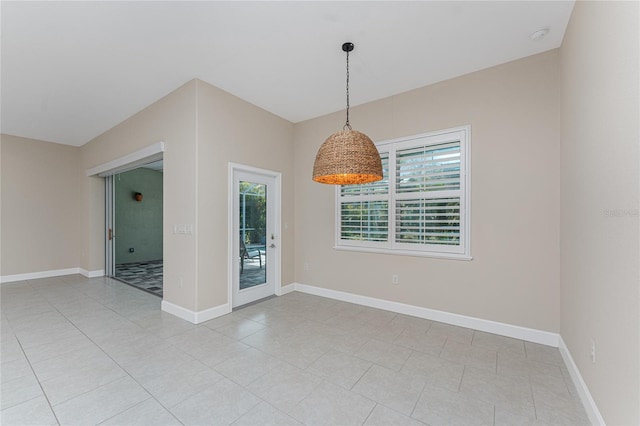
(255, 302)
(155, 293)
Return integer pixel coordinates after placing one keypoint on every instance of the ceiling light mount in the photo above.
(347, 157)
(539, 34)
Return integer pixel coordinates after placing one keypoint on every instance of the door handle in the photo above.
(110, 234)
(272, 246)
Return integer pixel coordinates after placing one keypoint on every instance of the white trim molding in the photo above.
(193, 316)
(508, 330)
(287, 289)
(52, 273)
(130, 161)
(581, 387)
(37, 275)
(92, 274)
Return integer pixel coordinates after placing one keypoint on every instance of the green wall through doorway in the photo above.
(138, 224)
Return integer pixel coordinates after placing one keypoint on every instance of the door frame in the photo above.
(110, 216)
(111, 219)
(233, 262)
(130, 161)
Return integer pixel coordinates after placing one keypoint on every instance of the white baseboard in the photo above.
(193, 316)
(52, 273)
(585, 396)
(211, 313)
(287, 289)
(92, 274)
(508, 330)
(37, 275)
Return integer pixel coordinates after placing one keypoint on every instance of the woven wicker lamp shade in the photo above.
(347, 157)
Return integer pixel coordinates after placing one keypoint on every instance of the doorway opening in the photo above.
(254, 231)
(135, 230)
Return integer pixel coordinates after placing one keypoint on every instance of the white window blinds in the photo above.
(420, 207)
(364, 209)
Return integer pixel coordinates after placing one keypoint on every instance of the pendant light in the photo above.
(347, 156)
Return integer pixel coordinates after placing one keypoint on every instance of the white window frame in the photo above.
(461, 251)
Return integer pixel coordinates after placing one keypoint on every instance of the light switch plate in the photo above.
(183, 229)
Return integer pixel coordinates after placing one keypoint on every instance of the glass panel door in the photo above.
(253, 233)
(255, 243)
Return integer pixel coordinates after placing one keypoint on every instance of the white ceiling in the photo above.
(72, 70)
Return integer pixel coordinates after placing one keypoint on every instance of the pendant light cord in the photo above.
(347, 125)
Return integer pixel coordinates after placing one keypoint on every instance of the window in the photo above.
(420, 207)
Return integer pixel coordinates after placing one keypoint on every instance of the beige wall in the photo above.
(204, 128)
(600, 190)
(172, 119)
(524, 143)
(40, 206)
(232, 130)
(513, 110)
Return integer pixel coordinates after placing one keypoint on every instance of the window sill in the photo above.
(447, 256)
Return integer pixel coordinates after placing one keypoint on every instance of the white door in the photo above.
(255, 234)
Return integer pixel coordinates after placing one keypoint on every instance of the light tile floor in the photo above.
(85, 352)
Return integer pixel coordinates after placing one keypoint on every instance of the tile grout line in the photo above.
(533, 398)
(109, 356)
(464, 369)
(117, 414)
(415, 404)
(370, 412)
(38, 380)
(494, 414)
(97, 387)
(19, 403)
(269, 403)
(363, 374)
(119, 306)
(44, 394)
(407, 359)
(446, 339)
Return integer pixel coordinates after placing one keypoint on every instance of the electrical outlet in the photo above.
(306, 266)
(593, 351)
(395, 279)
